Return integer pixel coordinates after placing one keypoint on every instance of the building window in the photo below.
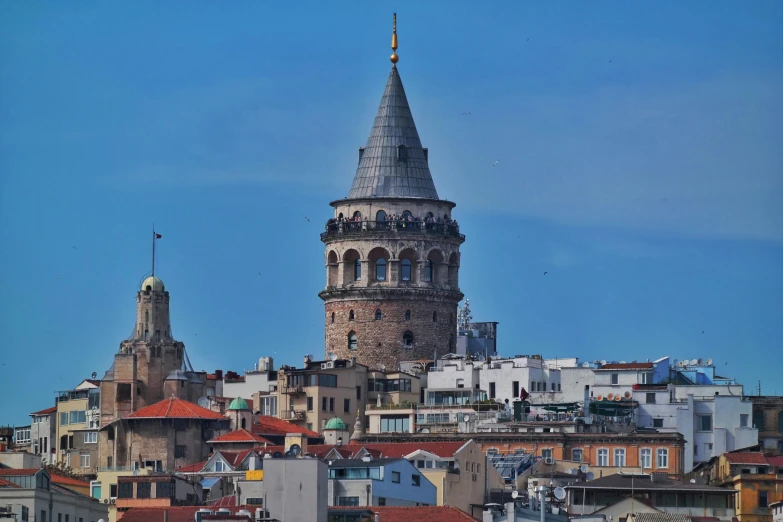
(603, 457)
(615, 378)
(84, 461)
(25, 514)
(395, 424)
(95, 490)
(64, 419)
(492, 390)
(358, 393)
(663, 458)
(645, 456)
(324, 403)
(144, 490)
(357, 270)
(381, 501)
(378, 314)
(576, 455)
(332, 317)
(219, 466)
(704, 422)
(43, 515)
(165, 490)
(179, 452)
(331, 404)
(428, 271)
(380, 216)
(416, 480)
(546, 453)
(619, 457)
(380, 269)
(351, 315)
(650, 398)
(744, 420)
(348, 501)
(657, 423)
(309, 404)
(405, 270)
(396, 477)
(402, 153)
(90, 437)
(125, 490)
(407, 340)
(352, 342)
(346, 405)
(434, 317)
(647, 378)
(407, 315)
(763, 499)
(758, 420)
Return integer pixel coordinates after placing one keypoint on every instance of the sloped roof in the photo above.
(747, 458)
(381, 173)
(174, 408)
(642, 482)
(65, 480)
(227, 501)
(240, 436)
(776, 461)
(192, 468)
(175, 514)
(47, 411)
(386, 450)
(5, 484)
(234, 458)
(661, 517)
(267, 425)
(409, 513)
(21, 472)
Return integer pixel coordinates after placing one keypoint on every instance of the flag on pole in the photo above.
(158, 236)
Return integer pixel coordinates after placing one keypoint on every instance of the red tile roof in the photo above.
(746, 458)
(776, 461)
(235, 457)
(175, 514)
(65, 480)
(408, 513)
(47, 411)
(240, 436)
(229, 501)
(24, 472)
(627, 366)
(6, 484)
(192, 468)
(386, 450)
(174, 408)
(267, 425)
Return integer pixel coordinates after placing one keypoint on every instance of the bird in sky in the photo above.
(496, 162)
(195, 334)
(702, 331)
(545, 273)
(73, 247)
(259, 273)
(466, 114)
(307, 218)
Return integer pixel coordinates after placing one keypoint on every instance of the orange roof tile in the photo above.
(227, 501)
(47, 411)
(746, 458)
(240, 436)
(386, 450)
(65, 480)
(408, 513)
(5, 484)
(175, 514)
(23, 472)
(174, 408)
(267, 425)
(192, 468)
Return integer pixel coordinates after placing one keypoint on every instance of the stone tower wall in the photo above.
(152, 315)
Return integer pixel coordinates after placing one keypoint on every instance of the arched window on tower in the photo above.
(350, 315)
(357, 270)
(380, 269)
(378, 315)
(352, 341)
(428, 271)
(402, 153)
(407, 340)
(332, 317)
(380, 215)
(407, 315)
(357, 216)
(243, 423)
(434, 317)
(146, 316)
(405, 270)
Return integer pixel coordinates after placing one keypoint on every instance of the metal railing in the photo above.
(355, 228)
(293, 414)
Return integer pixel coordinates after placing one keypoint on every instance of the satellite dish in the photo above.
(94, 375)
(425, 430)
(575, 471)
(681, 364)
(610, 396)
(332, 356)
(618, 398)
(277, 455)
(590, 476)
(599, 398)
(622, 362)
(603, 362)
(709, 362)
(560, 493)
(466, 418)
(585, 365)
(382, 367)
(584, 468)
(295, 450)
(700, 361)
(627, 395)
(514, 494)
(289, 455)
(694, 362)
(203, 402)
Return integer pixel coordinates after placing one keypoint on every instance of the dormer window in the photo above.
(402, 153)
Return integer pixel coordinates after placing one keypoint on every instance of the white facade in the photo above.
(38, 499)
(261, 379)
(711, 425)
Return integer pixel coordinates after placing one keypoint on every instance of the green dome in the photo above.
(238, 404)
(335, 424)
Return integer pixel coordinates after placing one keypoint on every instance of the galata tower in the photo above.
(392, 248)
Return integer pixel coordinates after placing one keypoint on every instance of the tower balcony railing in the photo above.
(358, 228)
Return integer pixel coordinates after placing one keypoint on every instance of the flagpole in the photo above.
(153, 249)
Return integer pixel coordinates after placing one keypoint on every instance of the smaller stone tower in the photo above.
(335, 432)
(239, 413)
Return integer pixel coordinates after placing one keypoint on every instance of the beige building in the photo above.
(77, 422)
(320, 391)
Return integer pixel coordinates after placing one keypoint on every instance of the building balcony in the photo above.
(293, 415)
(294, 390)
(360, 228)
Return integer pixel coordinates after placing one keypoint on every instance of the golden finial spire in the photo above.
(394, 58)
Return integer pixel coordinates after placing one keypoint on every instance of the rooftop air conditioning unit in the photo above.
(105, 500)
(223, 511)
(244, 512)
(201, 512)
(549, 460)
(327, 365)
(113, 500)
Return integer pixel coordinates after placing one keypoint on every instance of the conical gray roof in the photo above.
(383, 170)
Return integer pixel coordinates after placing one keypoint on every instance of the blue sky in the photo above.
(640, 166)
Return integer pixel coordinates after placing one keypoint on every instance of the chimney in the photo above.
(377, 517)
(366, 458)
(219, 375)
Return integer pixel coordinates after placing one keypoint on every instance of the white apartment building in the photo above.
(711, 424)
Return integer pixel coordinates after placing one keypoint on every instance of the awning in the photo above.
(207, 483)
(613, 408)
(562, 407)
